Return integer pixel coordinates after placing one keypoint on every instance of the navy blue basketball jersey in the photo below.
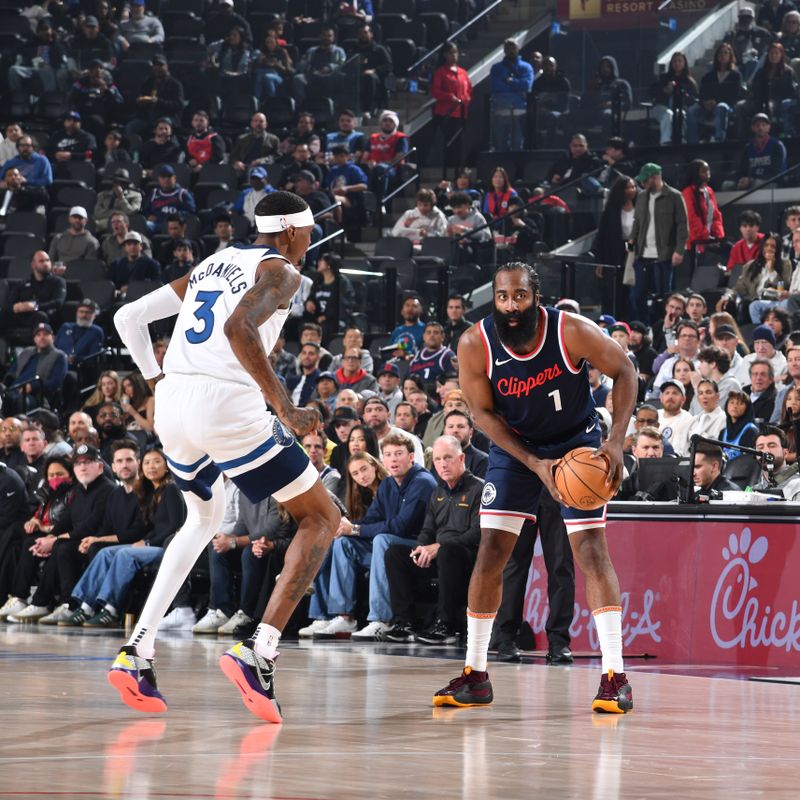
(543, 396)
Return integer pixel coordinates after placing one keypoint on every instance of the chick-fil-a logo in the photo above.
(737, 618)
(636, 622)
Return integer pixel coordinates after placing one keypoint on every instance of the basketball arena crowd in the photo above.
(122, 169)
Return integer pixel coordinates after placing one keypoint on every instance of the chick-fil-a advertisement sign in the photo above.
(704, 592)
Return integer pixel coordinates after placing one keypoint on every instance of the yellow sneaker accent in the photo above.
(123, 661)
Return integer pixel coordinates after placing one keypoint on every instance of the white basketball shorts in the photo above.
(209, 426)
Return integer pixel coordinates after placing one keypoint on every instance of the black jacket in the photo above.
(476, 461)
(26, 198)
(79, 144)
(574, 166)
(453, 515)
(152, 153)
(14, 508)
(122, 517)
(375, 56)
(552, 93)
(609, 246)
(602, 92)
(169, 515)
(85, 510)
(730, 91)
(764, 406)
(49, 293)
(169, 97)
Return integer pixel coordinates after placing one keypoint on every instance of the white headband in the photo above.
(275, 223)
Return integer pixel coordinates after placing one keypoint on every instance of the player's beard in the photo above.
(521, 334)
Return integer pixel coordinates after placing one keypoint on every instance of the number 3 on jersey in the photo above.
(205, 316)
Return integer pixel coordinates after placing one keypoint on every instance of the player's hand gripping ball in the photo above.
(581, 479)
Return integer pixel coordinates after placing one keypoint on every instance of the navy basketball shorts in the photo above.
(511, 491)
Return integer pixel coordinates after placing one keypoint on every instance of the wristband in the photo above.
(232, 540)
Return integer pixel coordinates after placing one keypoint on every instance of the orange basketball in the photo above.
(581, 479)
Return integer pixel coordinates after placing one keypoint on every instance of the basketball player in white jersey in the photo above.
(211, 417)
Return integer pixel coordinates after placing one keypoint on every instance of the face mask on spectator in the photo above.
(54, 483)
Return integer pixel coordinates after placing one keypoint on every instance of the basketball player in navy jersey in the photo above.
(211, 416)
(524, 373)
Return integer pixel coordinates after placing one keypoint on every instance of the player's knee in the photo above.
(494, 551)
(333, 517)
(591, 554)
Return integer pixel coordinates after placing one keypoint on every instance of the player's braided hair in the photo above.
(519, 266)
(278, 203)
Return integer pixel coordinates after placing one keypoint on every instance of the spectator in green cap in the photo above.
(659, 236)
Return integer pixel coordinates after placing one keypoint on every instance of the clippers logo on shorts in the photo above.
(542, 395)
(489, 494)
(283, 437)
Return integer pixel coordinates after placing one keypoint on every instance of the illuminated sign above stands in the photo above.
(610, 14)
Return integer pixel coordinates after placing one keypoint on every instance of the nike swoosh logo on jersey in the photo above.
(591, 427)
(499, 363)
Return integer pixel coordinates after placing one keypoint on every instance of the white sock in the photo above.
(608, 621)
(87, 609)
(203, 518)
(111, 610)
(266, 640)
(479, 632)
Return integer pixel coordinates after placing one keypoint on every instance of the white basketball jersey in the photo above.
(199, 345)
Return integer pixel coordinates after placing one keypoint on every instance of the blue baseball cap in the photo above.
(258, 172)
(607, 320)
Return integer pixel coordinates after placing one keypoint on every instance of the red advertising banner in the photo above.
(695, 592)
(619, 14)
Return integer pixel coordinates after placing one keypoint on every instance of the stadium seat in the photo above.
(22, 247)
(237, 110)
(184, 24)
(51, 106)
(279, 111)
(74, 196)
(404, 53)
(407, 7)
(218, 197)
(391, 24)
(27, 222)
(19, 269)
(436, 248)
(437, 26)
(87, 269)
(323, 110)
(138, 289)
(101, 291)
(83, 171)
(391, 247)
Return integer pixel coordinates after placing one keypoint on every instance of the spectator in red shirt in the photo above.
(705, 219)
(383, 148)
(749, 246)
(452, 90)
(204, 146)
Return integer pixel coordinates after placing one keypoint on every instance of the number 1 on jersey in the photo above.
(204, 315)
(556, 395)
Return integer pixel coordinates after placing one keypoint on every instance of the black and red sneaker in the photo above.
(614, 696)
(470, 688)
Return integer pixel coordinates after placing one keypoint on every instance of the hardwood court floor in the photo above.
(359, 725)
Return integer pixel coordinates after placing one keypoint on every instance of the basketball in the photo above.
(581, 479)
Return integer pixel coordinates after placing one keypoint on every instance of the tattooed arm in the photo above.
(276, 283)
